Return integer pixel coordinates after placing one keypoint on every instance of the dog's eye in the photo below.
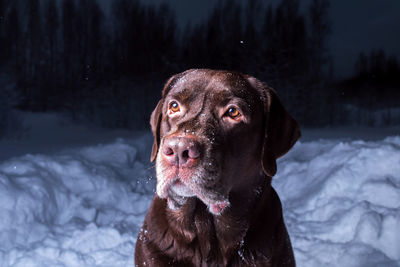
(174, 107)
(234, 113)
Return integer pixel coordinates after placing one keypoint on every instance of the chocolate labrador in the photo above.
(217, 135)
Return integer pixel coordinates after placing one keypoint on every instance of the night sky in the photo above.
(357, 26)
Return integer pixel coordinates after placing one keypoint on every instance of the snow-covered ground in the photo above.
(73, 195)
(341, 202)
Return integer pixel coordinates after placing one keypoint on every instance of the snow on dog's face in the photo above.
(209, 136)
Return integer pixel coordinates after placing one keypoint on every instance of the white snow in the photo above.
(341, 202)
(79, 208)
(83, 205)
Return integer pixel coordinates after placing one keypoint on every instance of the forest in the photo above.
(106, 63)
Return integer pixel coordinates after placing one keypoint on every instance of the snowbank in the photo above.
(80, 208)
(84, 207)
(342, 202)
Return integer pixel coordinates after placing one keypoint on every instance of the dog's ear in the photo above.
(281, 131)
(155, 121)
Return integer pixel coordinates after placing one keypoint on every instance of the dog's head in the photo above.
(213, 132)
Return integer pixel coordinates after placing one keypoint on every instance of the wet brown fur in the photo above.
(251, 231)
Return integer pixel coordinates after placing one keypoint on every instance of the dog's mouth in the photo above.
(177, 186)
(181, 189)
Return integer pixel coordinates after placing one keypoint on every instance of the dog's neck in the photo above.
(226, 233)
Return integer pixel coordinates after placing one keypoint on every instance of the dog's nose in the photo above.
(182, 151)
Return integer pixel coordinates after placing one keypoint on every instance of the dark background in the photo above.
(105, 62)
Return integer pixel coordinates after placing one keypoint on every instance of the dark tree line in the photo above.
(374, 89)
(71, 56)
(377, 67)
(107, 64)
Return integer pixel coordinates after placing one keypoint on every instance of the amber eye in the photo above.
(234, 113)
(174, 107)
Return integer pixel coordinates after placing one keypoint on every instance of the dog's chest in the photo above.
(215, 244)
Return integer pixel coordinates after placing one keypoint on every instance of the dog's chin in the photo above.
(217, 208)
(180, 189)
(179, 193)
(171, 186)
